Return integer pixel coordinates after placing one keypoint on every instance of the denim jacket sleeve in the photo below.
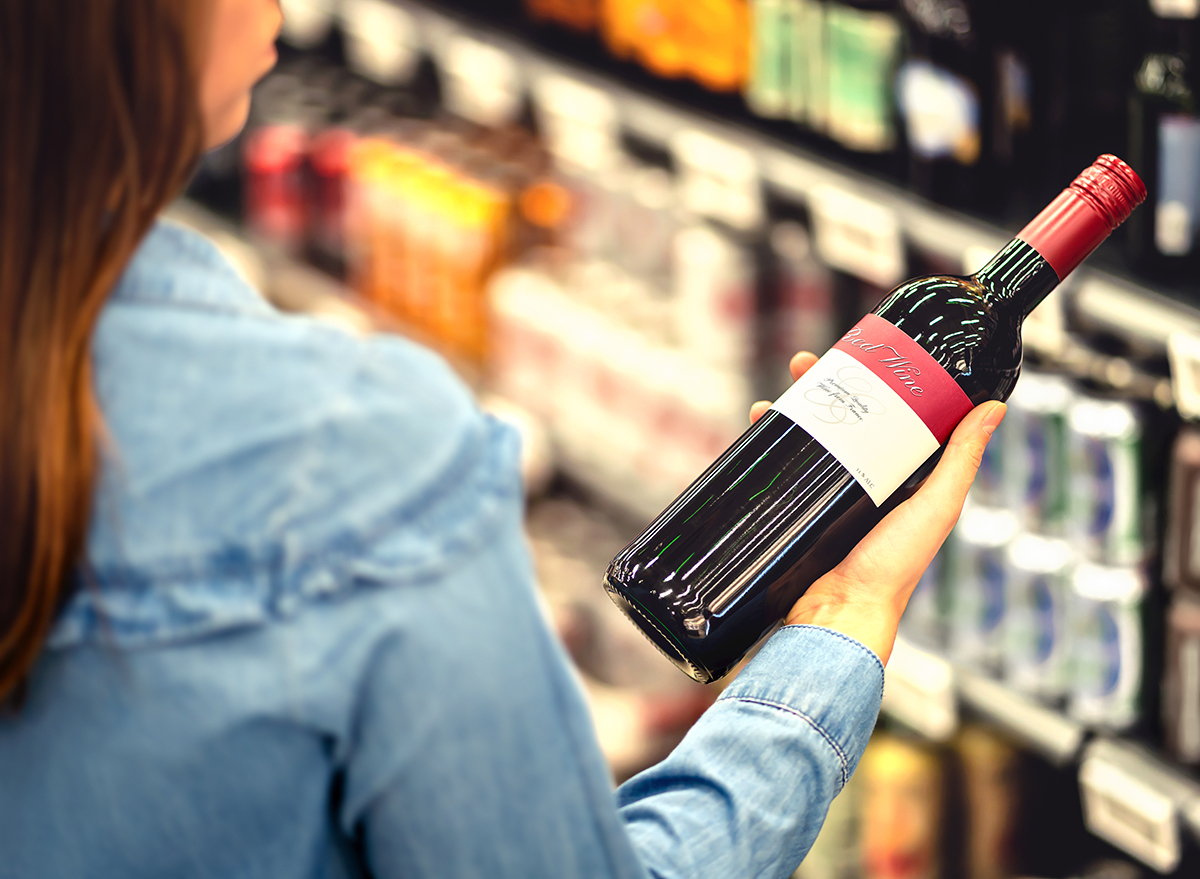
(498, 772)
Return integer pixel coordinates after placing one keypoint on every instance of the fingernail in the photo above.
(993, 418)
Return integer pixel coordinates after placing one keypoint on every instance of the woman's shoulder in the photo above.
(251, 457)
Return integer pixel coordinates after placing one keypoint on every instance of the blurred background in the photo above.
(619, 219)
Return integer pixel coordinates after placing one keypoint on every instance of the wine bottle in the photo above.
(856, 435)
(1165, 142)
(944, 92)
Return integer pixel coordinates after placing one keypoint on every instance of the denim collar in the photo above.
(154, 274)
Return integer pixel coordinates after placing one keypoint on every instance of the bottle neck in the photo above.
(1017, 278)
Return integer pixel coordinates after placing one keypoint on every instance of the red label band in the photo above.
(910, 371)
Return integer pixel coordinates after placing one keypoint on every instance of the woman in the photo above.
(265, 605)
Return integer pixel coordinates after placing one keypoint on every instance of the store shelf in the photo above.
(1145, 315)
(1132, 798)
(1050, 733)
(925, 692)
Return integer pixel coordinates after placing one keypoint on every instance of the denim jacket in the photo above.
(308, 644)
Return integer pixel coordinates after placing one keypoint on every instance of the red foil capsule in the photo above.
(1084, 214)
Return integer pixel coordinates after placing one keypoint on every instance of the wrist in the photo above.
(872, 624)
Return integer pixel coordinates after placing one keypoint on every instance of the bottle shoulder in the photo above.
(964, 326)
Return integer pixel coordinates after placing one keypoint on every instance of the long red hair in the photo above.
(99, 129)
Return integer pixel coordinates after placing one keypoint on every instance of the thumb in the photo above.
(947, 486)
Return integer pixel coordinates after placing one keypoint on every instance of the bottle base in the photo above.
(658, 635)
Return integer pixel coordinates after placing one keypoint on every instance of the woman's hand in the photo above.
(865, 595)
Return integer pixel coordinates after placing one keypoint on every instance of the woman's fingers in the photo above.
(801, 364)
(942, 496)
(900, 548)
(866, 594)
(759, 409)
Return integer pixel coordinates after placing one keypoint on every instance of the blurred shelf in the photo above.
(1055, 736)
(1132, 798)
(925, 691)
(1141, 312)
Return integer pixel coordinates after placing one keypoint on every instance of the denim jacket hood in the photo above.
(253, 461)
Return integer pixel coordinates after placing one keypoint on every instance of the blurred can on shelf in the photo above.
(977, 587)
(1036, 457)
(1105, 447)
(1035, 626)
(1106, 645)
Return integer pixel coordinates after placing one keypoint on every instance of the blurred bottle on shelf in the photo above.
(903, 796)
(275, 193)
(329, 159)
(804, 315)
(715, 298)
(774, 30)
(945, 91)
(704, 40)
(789, 73)
(579, 15)
(1165, 143)
(863, 44)
(1084, 54)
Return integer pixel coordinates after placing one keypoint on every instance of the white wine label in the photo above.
(879, 403)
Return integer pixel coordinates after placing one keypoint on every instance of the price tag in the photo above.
(1055, 736)
(578, 120)
(858, 236)
(919, 691)
(480, 81)
(306, 22)
(1123, 804)
(718, 179)
(382, 42)
(1183, 350)
(1176, 8)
